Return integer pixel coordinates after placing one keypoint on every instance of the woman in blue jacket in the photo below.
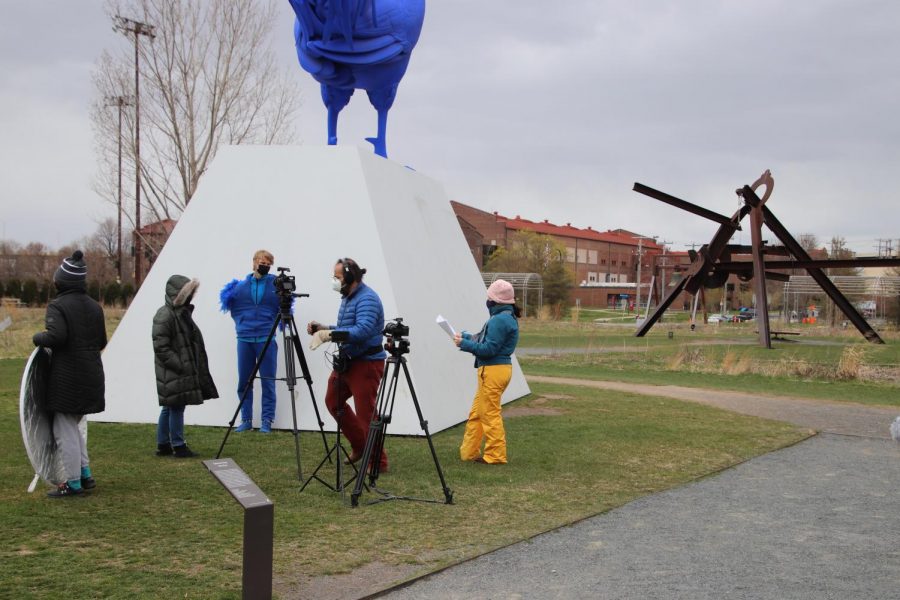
(492, 347)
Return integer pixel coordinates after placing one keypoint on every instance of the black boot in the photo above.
(183, 452)
(164, 449)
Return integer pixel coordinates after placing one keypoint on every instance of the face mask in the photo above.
(490, 304)
(263, 269)
(336, 284)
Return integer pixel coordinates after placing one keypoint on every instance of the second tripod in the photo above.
(285, 287)
(396, 346)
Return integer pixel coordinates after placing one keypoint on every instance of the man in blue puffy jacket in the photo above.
(360, 321)
(254, 304)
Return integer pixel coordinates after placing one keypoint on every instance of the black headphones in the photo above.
(348, 273)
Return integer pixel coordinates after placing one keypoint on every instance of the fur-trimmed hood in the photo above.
(179, 289)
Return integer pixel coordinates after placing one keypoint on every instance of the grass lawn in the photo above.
(164, 528)
(842, 367)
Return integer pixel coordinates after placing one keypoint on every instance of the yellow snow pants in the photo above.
(485, 421)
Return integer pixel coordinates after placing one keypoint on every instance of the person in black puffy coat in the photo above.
(182, 368)
(76, 333)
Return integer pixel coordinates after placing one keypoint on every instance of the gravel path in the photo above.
(814, 521)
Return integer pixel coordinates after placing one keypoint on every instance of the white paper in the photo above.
(445, 325)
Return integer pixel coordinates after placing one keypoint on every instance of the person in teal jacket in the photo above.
(493, 347)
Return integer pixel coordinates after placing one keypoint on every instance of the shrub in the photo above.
(127, 293)
(93, 290)
(29, 293)
(46, 292)
(112, 293)
(14, 288)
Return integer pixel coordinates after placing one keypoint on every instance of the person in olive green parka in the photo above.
(182, 368)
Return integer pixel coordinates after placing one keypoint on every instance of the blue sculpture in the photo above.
(357, 44)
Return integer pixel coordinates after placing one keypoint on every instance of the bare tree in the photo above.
(36, 261)
(105, 240)
(840, 251)
(808, 241)
(9, 255)
(208, 78)
(101, 251)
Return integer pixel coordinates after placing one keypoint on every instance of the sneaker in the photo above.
(164, 449)
(64, 490)
(266, 427)
(244, 426)
(88, 483)
(183, 452)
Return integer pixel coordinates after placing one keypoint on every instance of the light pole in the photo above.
(128, 26)
(120, 102)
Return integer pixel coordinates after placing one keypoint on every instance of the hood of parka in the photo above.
(179, 288)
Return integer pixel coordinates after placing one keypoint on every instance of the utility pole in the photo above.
(664, 262)
(129, 26)
(120, 102)
(640, 258)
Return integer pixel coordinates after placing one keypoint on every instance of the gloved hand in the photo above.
(320, 337)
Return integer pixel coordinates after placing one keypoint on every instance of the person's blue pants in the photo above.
(170, 429)
(248, 353)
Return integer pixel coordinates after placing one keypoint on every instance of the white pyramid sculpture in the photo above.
(310, 206)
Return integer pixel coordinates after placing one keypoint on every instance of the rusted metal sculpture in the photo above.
(714, 262)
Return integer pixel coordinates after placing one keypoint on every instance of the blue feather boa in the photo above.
(227, 295)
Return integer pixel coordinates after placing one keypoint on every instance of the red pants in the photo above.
(361, 382)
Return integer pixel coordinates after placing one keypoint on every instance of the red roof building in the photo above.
(605, 263)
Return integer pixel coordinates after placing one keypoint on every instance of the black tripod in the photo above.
(284, 286)
(387, 392)
(340, 363)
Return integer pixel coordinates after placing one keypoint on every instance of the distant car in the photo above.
(718, 319)
(746, 315)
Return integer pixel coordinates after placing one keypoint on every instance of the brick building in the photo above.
(153, 236)
(605, 263)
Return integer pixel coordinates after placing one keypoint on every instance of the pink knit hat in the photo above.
(501, 292)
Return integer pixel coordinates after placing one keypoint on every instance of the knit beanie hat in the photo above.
(72, 269)
(501, 292)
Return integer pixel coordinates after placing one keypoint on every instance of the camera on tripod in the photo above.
(395, 330)
(285, 284)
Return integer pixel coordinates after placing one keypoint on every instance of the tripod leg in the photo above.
(383, 410)
(248, 385)
(376, 431)
(304, 368)
(288, 334)
(337, 449)
(448, 493)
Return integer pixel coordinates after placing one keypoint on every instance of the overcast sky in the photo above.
(544, 110)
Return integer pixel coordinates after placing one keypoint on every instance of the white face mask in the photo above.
(336, 284)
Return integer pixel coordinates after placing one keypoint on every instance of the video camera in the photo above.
(285, 287)
(395, 330)
(285, 284)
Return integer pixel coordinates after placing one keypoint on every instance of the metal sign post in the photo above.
(259, 527)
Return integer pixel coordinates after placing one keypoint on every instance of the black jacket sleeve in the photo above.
(57, 332)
